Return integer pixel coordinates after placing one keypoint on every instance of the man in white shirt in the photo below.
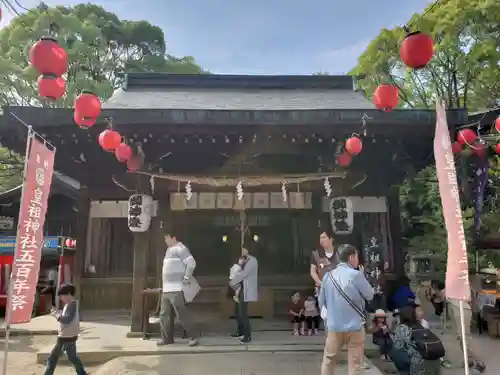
(178, 268)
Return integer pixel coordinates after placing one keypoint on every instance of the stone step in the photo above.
(94, 351)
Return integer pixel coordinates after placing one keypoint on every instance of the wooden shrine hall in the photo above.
(276, 135)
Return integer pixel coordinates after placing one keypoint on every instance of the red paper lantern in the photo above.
(344, 159)
(51, 87)
(466, 136)
(48, 57)
(353, 145)
(456, 147)
(386, 97)
(82, 122)
(123, 152)
(88, 105)
(416, 50)
(497, 148)
(109, 139)
(133, 164)
(497, 124)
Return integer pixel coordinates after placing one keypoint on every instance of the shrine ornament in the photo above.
(344, 159)
(497, 148)
(134, 163)
(353, 145)
(386, 97)
(82, 122)
(123, 152)
(48, 57)
(416, 50)
(456, 147)
(466, 137)
(109, 140)
(51, 87)
(88, 105)
(140, 211)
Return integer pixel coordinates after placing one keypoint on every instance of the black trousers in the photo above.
(68, 346)
(242, 319)
(312, 322)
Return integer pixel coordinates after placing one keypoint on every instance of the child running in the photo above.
(69, 328)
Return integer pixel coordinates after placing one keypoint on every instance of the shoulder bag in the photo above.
(355, 307)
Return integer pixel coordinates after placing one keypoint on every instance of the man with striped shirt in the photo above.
(178, 267)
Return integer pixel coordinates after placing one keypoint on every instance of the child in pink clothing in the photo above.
(311, 315)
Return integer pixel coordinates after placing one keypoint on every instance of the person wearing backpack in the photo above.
(416, 350)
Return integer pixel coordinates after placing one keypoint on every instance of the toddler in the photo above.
(311, 315)
(296, 312)
(381, 333)
(235, 269)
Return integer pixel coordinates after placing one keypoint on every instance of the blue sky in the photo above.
(265, 36)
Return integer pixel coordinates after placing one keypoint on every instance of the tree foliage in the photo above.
(465, 71)
(101, 49)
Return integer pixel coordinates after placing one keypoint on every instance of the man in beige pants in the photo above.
(343, 293)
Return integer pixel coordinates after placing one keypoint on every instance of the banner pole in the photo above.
(463, 338)
(14, 263)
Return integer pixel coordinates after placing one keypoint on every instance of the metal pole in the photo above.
(59, 274)
(464, 339)
(14, 263)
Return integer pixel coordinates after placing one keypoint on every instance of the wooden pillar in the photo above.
(164, 216)
(140, 268)
(82, 222)
(398, 254)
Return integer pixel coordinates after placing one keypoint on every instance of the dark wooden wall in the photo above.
(285, 241)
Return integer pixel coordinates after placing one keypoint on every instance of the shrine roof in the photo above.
(237, 92)
(61, 184)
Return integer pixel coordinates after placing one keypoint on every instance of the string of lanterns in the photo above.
(51, 61)
(472, 140)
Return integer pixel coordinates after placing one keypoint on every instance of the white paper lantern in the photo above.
(139, 212)
(341, 215)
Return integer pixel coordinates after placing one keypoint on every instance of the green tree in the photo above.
(465, 70)
(101, 49)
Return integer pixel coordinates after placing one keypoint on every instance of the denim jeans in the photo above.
(68, 346)
(401, 360)
(241, 314)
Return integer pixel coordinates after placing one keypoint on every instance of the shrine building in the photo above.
(270, 140)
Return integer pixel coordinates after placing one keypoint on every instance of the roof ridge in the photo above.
(281, 82)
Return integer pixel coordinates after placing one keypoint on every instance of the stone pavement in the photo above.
(223, 364)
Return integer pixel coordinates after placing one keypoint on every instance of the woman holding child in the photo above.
(244, 282)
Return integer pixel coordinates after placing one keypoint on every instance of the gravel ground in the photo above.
(22, 356)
